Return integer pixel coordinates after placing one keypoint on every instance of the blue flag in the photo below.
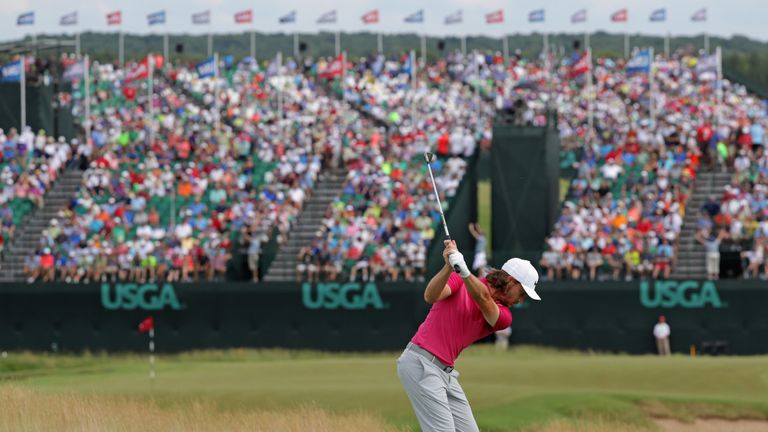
(68, 19)
(416, 17)
(640, 63)
(11, 72)
(659, 15)
(206, 68)
(288, 18)
(27, 18)
(156, 18)
(536, 16)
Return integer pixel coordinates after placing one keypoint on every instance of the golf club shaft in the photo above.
(440, 208)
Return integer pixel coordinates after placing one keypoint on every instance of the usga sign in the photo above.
(350, 296)
(686, 294)
(131, 296)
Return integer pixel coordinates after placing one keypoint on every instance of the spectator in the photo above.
(712, 247)
(480, 262)
(661, 333)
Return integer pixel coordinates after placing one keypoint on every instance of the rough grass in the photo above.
(522, 390)
(22, 410)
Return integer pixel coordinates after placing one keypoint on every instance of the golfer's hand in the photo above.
(456, 260)
(450, 247)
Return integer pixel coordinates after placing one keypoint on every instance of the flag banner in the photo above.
(139, 72)
(371, 17)
(115, 18)
(455, 18)
(327, 18)
(496, 17)
(640, 62)
(706, 63)
(156, 18)
(619, 16)
(201, 17)
(206, 68)
(273, 68)
(288, 18)
(244, 17)
(27, 18)
(334, 68)
(659, 15)
(581, 66)
(416, 17)
(147, 324)
(11, 72)
(579, 16)
(536, 15)
(68, 19)
(75, 71)
(699, 15)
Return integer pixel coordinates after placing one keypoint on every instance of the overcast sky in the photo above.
(724, 18)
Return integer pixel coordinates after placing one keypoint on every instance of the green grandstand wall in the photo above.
(602, 316)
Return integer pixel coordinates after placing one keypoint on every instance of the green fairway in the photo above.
(508, 391)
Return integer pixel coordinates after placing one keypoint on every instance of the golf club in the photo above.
(428, 157)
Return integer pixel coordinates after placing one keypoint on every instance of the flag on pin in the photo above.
(147, 324)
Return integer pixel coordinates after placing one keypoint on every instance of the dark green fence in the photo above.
(617, 317)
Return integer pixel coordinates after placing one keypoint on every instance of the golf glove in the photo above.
(457, 259)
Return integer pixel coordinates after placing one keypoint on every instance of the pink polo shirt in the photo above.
(455, 322)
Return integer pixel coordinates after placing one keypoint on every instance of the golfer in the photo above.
(464, 310)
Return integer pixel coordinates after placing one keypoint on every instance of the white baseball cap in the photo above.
(523, 271)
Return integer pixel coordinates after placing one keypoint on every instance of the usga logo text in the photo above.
(131, 296)
(350, 296)
(687, 294)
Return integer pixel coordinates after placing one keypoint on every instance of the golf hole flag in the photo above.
(496, 17)
(147, 324)
(115, 18)
(371, 17)
(244, 17)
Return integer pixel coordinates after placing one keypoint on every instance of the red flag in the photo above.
(619, 16)
(581, 66)
(334, 68)
(495, 17)
(371, 17)
(115, 18)
(244, 17)
(141, 71)
(147, 325)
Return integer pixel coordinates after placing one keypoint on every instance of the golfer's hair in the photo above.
(497, 279)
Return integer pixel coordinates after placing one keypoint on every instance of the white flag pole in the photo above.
(87, 93)
(651, 93)
(295, 46)
(718, 53)
(77, 44)
(706, 42)
(23, 93)
(626, 45)
(253, 44)
(337, 43)
(464, 45)
(150, 90)
(165, 49)
(423, 50)
(210, 43)
(121, 47)
(413, 87)
(666, 46)
(380, 43)
(505, 48)
(590, 97)
(280, 94)
(216, 110)
(343, 72)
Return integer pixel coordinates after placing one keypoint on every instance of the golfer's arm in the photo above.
(438, 288)
(480, 294)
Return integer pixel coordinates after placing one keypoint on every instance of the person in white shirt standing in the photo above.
(661, 332)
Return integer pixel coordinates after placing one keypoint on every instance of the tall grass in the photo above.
(24, 410)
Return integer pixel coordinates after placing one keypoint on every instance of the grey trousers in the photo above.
(436, 396)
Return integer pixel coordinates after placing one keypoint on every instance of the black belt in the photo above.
(429, 356)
